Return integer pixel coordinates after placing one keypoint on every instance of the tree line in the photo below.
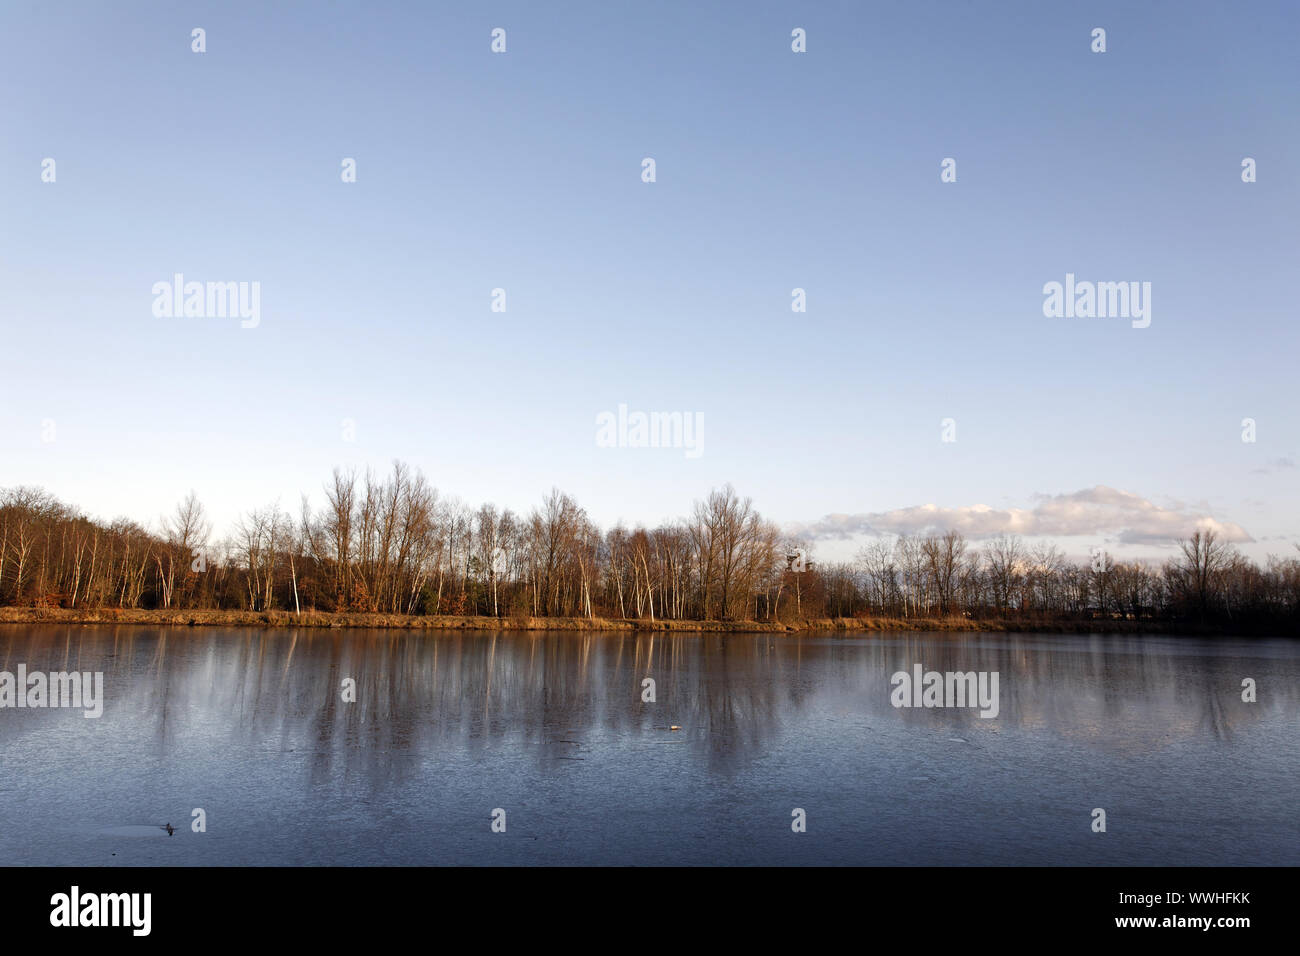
(394, 544)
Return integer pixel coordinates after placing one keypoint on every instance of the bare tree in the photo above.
(1204, 557)
(1004, 557)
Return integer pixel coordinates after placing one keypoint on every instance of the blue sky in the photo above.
(775, 170)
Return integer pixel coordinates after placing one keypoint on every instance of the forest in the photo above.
(394, 544)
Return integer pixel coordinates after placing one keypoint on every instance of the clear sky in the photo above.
(774, 170)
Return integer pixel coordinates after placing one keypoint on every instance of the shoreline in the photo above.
(330, 620)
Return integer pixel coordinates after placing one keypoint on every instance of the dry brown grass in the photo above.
(327, 619)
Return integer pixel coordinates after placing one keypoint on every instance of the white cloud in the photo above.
(1275, 464)
(1091, 511)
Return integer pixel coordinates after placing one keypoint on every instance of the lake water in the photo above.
(251, 726)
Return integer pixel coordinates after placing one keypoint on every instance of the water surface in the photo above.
(251, 726)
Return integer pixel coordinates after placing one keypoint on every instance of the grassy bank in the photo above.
(326, 619)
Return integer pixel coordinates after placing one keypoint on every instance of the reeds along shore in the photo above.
(329, 619)
(394, 549)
